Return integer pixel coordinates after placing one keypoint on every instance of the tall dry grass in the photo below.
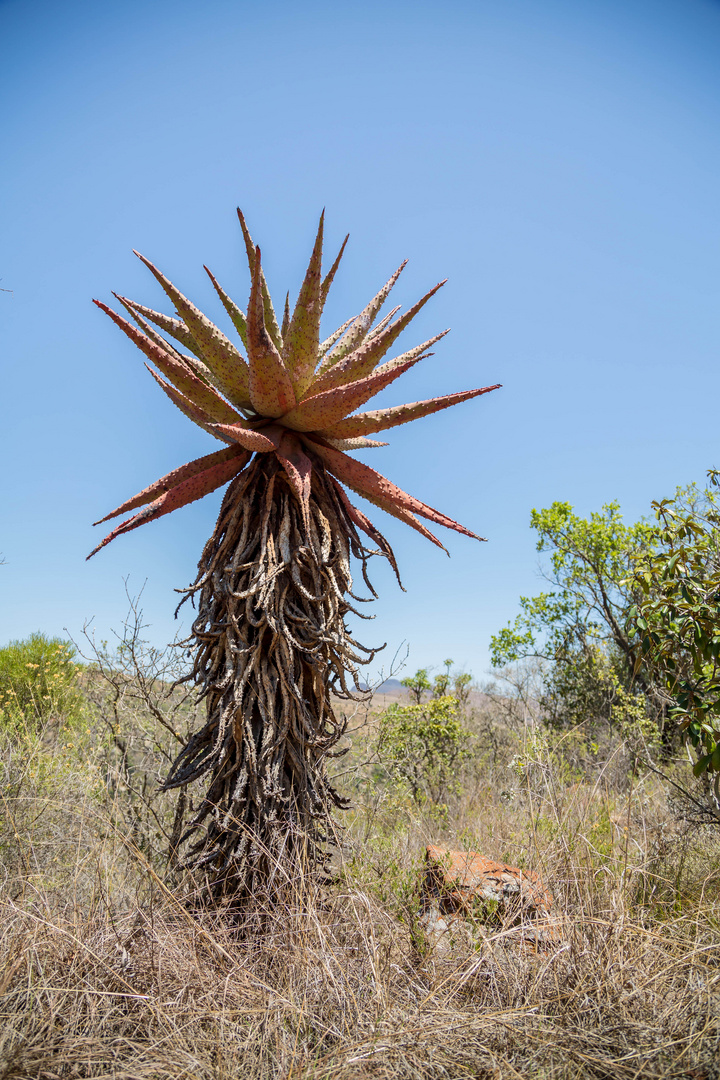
(106, 972)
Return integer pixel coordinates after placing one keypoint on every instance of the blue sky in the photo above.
(557, 161)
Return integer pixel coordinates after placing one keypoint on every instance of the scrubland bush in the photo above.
(628, 638)
(109, 970)
(422, 745)
(39, 681)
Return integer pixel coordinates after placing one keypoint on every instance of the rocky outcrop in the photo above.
(461, 887)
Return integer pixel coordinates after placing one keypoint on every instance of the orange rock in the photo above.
(459, 883)
(462, 877)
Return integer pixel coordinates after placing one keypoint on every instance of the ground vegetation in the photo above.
(105, 970)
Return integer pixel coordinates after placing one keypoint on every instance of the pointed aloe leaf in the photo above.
(364, 360)
(179, 374)
(301, 342)
(413, 356)
(314, 413)
(271, 390)
(382, 419)
(358, 518)
(354, 444)
(383, 323)
(328, 343)
(227, 433)
(175, 328)
(359, 329)
(195, 487)
(177, 476)
(298, 469)
(368, 355)
(396, 511)
(260, 442)
(271, 322)
(325, 350)
(406, 517)
(217, 350)
(196, 366)
(186, 406)
(200, 369)
(330, 276)
(238, 319)
(286, 316)
(372, 485)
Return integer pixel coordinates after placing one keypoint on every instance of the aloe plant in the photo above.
(274, 585)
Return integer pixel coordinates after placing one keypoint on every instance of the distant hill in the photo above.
(390, 686)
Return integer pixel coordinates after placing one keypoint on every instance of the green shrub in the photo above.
(38, 682)
(423, 746)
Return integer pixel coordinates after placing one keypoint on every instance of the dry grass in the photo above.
(106, 974)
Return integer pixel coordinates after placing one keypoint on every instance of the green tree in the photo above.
(457, 683)
(677, 616)
(423, 745)
(579, 630)
(417, 685)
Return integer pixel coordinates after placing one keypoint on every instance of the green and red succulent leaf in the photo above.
(191, 361)
(271, 388)
(372, 485)
(368, 423)
(324, 410)
(328, 343)
(271, 322)
(188, 407)
(178, 476)
(181, 377)
(151, 332)
(174, 328)
(189, 490)
(365, 358)
(354, 444)
(218, 352)
(379, 327)
(302, 338)
(330, 276)
(260, 442)
(362, 324)
(286, 316)
(236, 315)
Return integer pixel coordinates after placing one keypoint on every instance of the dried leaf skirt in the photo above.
(271, 652)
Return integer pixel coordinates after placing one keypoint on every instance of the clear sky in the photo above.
(558, 161)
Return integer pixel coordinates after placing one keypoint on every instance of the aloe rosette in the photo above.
(270, 637)
(294, 396)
